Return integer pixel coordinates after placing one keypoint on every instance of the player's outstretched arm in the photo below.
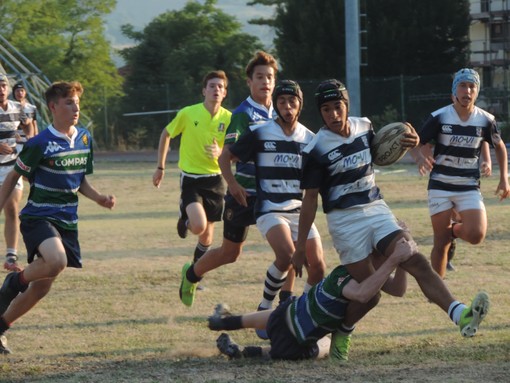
(364, 291)
(90, 192)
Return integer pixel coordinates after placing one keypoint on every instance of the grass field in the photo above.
(120, 318)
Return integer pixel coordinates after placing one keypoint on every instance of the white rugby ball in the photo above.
(386, 147)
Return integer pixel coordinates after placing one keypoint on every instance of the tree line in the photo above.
(164, 67)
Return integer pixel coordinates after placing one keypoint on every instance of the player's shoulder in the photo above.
(483, 114)
(192, 108)
(266, 126)
(307, 133)
(14, 105)
(224, 112)
(360, 125)
(244, 107)
(443, 110)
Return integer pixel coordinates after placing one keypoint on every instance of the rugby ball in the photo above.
(386, 147)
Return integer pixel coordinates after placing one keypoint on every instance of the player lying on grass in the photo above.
(296, 326)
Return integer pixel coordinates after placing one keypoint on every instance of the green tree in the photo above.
(65, 39)
(416, 37)
(173, 53)
(403, 36)
(310, 37)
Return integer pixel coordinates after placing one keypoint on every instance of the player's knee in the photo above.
(317, 267)
(56, 264)
(197, 228)
(231, 256)
(476, 238)
(417, 265)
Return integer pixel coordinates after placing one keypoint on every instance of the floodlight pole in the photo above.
(352, 56)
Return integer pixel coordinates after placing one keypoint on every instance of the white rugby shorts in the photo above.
(357, 230)
(441, 200)
(291, 220)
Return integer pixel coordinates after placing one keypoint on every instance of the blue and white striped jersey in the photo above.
(457, 147)
(341, 167)
(278, 160)
(9, 122)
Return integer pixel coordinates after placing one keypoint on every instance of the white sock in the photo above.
(455, 310)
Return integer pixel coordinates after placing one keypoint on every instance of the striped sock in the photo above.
(273, 283)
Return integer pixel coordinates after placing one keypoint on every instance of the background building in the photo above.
(490, 54)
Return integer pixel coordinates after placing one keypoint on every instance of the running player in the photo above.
(256, 109)
(203, 128)
(459, 131)
(56, 163)
(276, 148)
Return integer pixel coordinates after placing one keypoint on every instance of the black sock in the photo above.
(252, 351)
(191, 276)
(232, 323)
(346, 330)
(4, 326)
(199, 251)
(19, 283)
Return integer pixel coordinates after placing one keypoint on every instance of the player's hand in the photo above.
(404, 250)
(486, 169)
(411, 139)
(157, 177)
(425, 159)
(503, 190)
(239, 193)
(213, 151)
(298, 260)
(6, 149)
(107, 201)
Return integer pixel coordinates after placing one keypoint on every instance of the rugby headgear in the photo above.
(329, 90)
(287, 87)
(465, 75)
(18, 85)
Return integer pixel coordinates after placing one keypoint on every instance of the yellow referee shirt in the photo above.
(198, 129)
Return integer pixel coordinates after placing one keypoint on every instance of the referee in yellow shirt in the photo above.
(203, 128)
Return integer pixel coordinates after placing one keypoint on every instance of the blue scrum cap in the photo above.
(465, 75)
